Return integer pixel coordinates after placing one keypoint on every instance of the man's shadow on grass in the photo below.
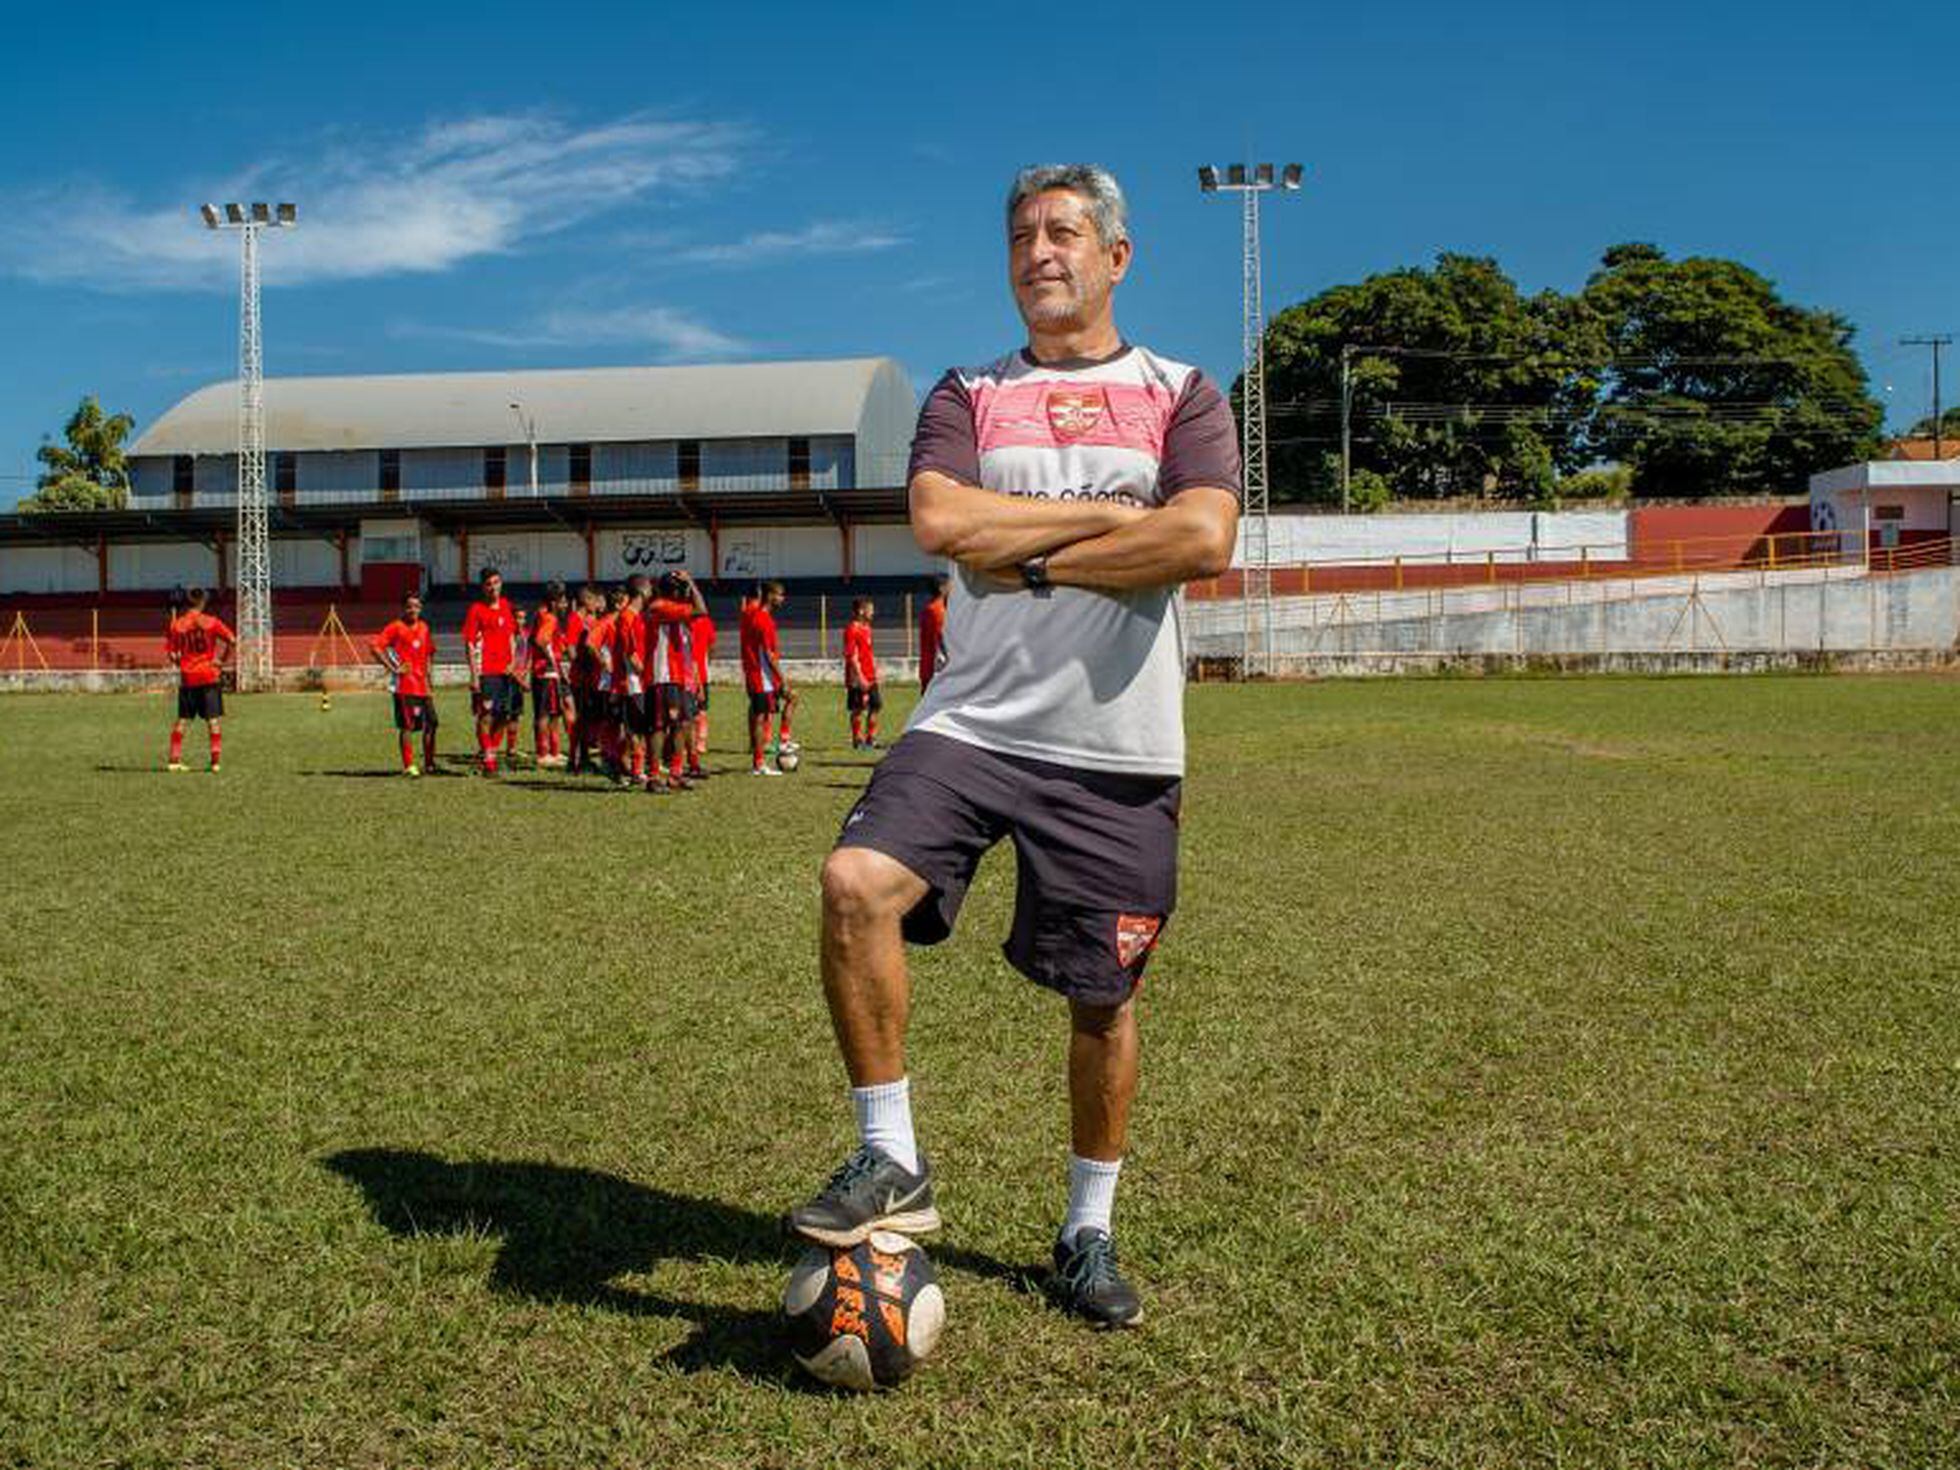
(568, 1233)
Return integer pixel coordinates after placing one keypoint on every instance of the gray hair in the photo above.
(1095, 184)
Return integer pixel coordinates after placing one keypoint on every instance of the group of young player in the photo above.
(616, 678)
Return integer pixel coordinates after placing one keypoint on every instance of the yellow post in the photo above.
(1398, 574)
(95, 638)
(1585, 563)
(1490, 567)
(1772, 551)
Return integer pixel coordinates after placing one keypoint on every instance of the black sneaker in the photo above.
(868, 1192)
(1087, 1283)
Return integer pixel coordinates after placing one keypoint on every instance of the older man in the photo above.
(1075, 483)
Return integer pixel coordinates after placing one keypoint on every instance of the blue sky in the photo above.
(496, 186)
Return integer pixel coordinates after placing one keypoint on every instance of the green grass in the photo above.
(1537, 1073)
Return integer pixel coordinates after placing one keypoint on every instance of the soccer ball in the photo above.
(789, 757)
(864, 1316)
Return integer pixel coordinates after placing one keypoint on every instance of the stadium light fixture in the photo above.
(1249, 182)
(254, 579)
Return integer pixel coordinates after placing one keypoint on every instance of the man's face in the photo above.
(493, 587)
(776, 598)
(1061, 270)
(412, 611)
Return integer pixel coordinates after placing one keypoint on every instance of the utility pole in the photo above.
(1936, 341)
(1347, 416)
(1249, 182)
(254, 538)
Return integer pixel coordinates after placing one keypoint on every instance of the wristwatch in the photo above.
(1034, 573)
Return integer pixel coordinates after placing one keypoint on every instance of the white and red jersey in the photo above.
(670, 642)
(761, 674)
(1080, 678)
(414, 646)
(490, 632)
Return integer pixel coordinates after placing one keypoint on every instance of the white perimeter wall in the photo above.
(1507, 535)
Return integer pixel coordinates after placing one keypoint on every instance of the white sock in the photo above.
(884, 1116)
(1091, 1193)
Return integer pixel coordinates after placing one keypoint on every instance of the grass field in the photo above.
(1537, 1073)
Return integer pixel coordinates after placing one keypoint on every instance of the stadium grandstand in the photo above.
(381, 484)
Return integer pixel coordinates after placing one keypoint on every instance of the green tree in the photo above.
(1949, 427)
(1485, 392)
(88, 472)
(1717, 385)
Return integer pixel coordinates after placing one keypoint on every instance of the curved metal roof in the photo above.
(570, 406)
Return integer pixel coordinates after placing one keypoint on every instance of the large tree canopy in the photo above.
(88, 472)
(1691, 374)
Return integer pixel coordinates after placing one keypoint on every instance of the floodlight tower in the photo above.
(1249, 182)
(254, 579)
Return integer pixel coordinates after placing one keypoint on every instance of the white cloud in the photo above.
(668, 333)
(459, 190)
(825, 237)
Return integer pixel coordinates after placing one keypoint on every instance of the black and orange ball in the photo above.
(864, 1316)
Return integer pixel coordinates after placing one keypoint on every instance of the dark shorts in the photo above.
(636, 712)
(415, 712)
(548, 699)
(764, 702)
(673, 705)
(868, 698)
(200, 701)
(498, 697)
(1096, 853)
(594, 708)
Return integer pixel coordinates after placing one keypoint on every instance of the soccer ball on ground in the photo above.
(789, 756)
(864, 1316)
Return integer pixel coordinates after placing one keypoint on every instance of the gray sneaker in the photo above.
(1087, 1283)
(868, 1192)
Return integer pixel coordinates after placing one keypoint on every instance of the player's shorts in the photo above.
(592, 704)
(764, 702)
(547, 699)
(673, 705)
(636, 713)
(415, 712)
(200, 701)
(498, 697)
(1096, 853)
(857, 701)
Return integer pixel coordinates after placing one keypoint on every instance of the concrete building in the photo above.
(792, 469)
(1885, 506)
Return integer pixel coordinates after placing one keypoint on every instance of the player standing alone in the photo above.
(932, 634)
(405, 649)
(197, 644)
(861, 696)
(490, 644)
(762, 670)
(1077, 483)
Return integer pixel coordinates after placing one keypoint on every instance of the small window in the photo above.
(391, 474)
(183, 478)
(1888, 512)
(689, 458)
(493, 472)
(799, 464)
(285, 476)
(578, 468)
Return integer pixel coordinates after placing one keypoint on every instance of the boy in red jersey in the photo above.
(671, 672)
(548, 677)
(762, 672)
(584, 674)
(861, 696)
(520, 677)
(603, 634)
(630, 681)
(932, 633)
(197, 644)
(703, 633)
(489, 633)
(405, 648)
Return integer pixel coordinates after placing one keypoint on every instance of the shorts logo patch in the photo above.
(1073, 412)
(1136, 936)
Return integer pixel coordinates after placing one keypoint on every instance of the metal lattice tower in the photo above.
(1256, 597)
(254, 566)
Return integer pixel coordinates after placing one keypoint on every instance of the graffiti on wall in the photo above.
(641, 550)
